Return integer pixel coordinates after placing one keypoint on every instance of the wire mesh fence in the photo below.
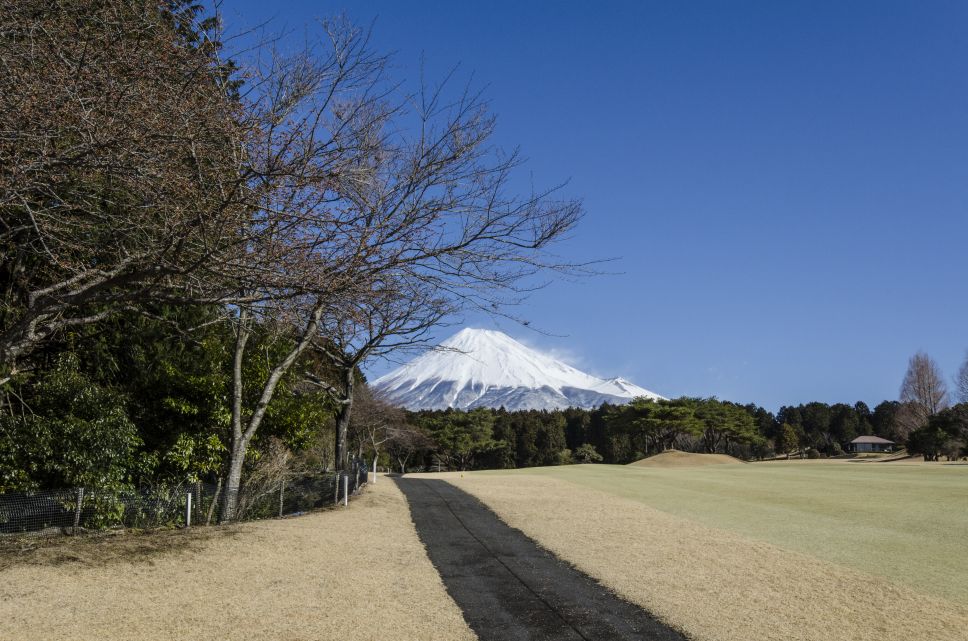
(70, 511)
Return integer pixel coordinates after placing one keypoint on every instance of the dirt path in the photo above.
(356, 573)
(509, 588)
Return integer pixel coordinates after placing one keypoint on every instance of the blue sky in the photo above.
(784, 182)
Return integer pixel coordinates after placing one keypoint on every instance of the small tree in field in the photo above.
(961, 382)
(405, 442)
(923, 393)
(374, 422)
(586, 453)
(786, 440)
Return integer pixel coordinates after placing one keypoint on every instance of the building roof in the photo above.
(872, 439)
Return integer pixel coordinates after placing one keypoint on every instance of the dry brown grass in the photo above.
(114, 546)
(712, 584)
(357, 573)
(675, 458)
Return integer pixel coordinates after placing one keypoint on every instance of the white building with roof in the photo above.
(871, 444)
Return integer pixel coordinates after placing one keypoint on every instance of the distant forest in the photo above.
(923, 421)
(483, 438)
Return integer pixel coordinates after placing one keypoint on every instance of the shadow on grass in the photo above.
(121, 546)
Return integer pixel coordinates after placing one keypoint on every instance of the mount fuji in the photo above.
(486, 368)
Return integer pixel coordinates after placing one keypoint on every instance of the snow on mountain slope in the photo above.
(487, 368)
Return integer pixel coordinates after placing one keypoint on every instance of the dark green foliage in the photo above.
(610, 434)
(199, 31)
(484, 438)
(844, 426)
(723, 423)
(173, 380)
(462, 437)
(787, 440)
(829, 428)
(621, 434)
(884, 421)
(143, 399)
(946, 434)
(586, 454)
(76, 433)
(298, 413)
(709, 425)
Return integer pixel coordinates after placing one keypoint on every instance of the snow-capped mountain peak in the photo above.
(487, 368)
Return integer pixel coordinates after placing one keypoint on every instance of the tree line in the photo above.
(199, 250)
(921, 420)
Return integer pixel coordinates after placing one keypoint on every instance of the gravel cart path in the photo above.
(507, 586)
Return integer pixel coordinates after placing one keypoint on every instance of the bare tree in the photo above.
(391, 316)
(443, 235)
(385, 227)
(306, 257)
(961, 382)
(923, 393)
(405, 442)
(374, 422)
(317, 200)
(121, 166)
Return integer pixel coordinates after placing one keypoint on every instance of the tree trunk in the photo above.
(343, 421)
(215, 500)
(241, 437)
(234, 478)
(230, 499)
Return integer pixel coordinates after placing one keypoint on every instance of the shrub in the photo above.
(586, 453)
(79, 435)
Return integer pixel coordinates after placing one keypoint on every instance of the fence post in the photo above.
(188, 509)
(374, 468)
(77, 512)
(346, 489)
(282, 490)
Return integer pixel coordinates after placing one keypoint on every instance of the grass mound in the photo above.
(675, 458)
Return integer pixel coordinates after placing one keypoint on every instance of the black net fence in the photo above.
(75, 510)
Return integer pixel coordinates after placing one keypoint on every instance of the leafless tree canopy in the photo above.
(119, 156)
(375, 421)
(390, 212)
(308, 193)
(961, 382)
(923, 392)
(404, 443)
